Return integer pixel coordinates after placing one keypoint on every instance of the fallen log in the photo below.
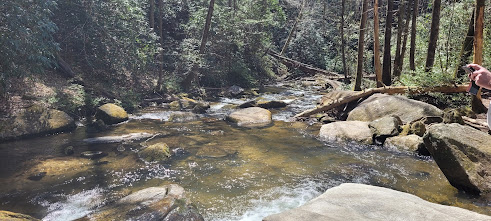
(386, 90)
(303, 67)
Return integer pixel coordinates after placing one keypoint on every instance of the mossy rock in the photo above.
(35, 120)
(453, 116)
(418, 128)
(155, 152)
(111, 114)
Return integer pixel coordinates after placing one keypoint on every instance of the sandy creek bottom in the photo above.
(230, 173)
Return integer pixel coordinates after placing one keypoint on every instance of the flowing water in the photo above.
(230, 173)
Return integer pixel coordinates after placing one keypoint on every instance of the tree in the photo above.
(294, 28)
(161, 40)
(151, 14)
(376, 45)
(343, 40)
(399, 59)
(466, 50)
(206, 29)
(412, 49)
(386, 70)
(477, 105)
(434, 29)
(400, 29)
(361, 44)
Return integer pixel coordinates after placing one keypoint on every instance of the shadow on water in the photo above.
(230, 173)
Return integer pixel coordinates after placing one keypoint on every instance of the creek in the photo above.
(230, 173)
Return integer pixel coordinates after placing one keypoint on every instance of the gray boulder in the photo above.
(347, 131)
(386, 126)
(351, 201)
(35, 120)
(111, 114)
(251, 117)
(154, 203)
(381, 105)
(463, 154)
(413, 143)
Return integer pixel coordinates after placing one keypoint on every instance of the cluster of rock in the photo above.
(462, 152)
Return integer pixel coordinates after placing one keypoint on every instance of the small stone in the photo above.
(37, 176)
(418, 128)
(68, 150)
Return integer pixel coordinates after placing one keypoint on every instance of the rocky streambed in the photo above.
(225, 168)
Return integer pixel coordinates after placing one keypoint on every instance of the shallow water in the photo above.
(231, 173)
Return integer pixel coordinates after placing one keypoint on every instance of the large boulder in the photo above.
(35, 120)
(347, 131)
(111, 114)
(154, 203)
(251, 117)
(381, 105)
(463, 154)
(413, 143)
(351, 201)
(11, 216)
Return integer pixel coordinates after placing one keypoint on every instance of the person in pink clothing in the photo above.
(482, 77)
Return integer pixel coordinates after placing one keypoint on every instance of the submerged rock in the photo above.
(351, 201)
(180, 117)
(35, 120)
(463, 154)
(11, 216)
(381, 105)
(111, 114)
(347, 131)
(118, 139)
(155, 152)
(251, 117)
(411, 142)
(151, 204)
(93, 154)
(271, 104)
(214, 152)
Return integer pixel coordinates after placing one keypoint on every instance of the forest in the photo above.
(86, 52)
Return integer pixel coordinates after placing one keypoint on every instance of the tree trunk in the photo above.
(434, 29)
(151, 13)
(294, 28)
(400, 29)
(206, 29)
(161, 56)
(386, 72)
(400, 60)
(343, 41)
(412, 49)
(376, 45)
(361, 44)
(466, 50)
(386, 90)
(477, 105)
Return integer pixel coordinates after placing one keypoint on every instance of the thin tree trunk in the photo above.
(400, 60)
(477, 105)
(294, 28)
(151, 13)
(161, 35)
(400, 28)
(412, 49)
(343, 41)
(386, 71)
(206, 29)
(361, 45)
(466, 50)
(434, 29)
(376, 45)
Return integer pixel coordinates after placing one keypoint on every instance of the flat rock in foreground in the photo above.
(251, 117)
(351, 201)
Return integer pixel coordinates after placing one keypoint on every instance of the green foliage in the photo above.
(26, 37)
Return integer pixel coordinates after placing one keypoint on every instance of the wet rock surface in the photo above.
(413, 143)
(155, 203)
(155, 152)
(11, 216)
(351, 201)
(463, 154)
